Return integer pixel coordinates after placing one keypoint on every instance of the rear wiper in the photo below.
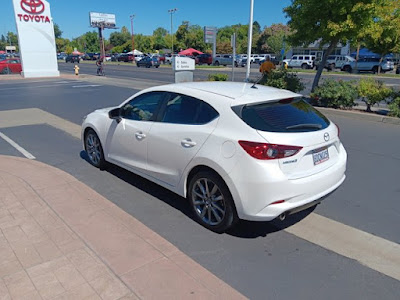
(298, 126)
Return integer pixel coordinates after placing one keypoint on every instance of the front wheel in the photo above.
(211, 202)
(347, 69)
(304, 66)
(94, 149)
(216, 63)
(6, 71)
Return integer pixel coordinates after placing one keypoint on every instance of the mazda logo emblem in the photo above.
(326, 136)
(32, 6)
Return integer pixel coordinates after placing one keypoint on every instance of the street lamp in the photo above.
(172, 11)
(133, 41)
(250, 36)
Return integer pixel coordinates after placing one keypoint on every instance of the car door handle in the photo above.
(188, 143)
(140, 135)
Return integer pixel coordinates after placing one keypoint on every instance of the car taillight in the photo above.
(338, 130)
(269, 151)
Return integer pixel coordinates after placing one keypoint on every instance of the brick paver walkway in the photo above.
(59, 239)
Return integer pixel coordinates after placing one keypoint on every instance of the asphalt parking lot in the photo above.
(261, 260)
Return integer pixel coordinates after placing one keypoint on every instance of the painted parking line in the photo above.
(85, 85)
(372, 251)
(16, 146)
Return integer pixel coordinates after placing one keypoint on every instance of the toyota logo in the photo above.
(326, 136)
(32, 6)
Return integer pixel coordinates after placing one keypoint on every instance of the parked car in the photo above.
(10, 65)
(300, 61)
(205, 59)
(234, 151)
(61, 56)
(73, 59)
(368, 64)
(148, 62)
(274, 60)
(223, 59)
(125, 57)
(334, 62)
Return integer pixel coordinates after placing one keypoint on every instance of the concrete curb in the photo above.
(359, 115)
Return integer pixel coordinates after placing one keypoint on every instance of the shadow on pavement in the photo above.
(244, 229)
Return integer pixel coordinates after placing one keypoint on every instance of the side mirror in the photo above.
(115, 114)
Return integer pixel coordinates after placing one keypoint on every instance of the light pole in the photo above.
(172, 11)
(250, 36)
(133, 41)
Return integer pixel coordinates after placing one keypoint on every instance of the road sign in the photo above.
(209, 34)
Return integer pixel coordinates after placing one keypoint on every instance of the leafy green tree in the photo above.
(61, 44)
(144, 43)
(329, 21)
(57, 31)
(195, 39)
(88, 42)
(283, 79)
(273, 39)
(383, 36)
(159, 38)
(12, 39)
(120, 38)
(372, 92)
(394, 105)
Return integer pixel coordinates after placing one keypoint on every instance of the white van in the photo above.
(300, 61)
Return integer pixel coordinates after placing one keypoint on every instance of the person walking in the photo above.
(267, 66)
(99, 64)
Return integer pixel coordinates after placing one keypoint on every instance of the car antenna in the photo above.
(257, 81)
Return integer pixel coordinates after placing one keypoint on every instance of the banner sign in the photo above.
(36, 40)
(209, 34)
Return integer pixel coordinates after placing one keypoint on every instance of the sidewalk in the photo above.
(59, 239)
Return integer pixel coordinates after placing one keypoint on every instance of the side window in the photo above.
(187, 110)
(143, 107)
(300, 57)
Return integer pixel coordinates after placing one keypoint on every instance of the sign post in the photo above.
(36, 39)
(183, 68)
(233, 44)
(210, 37)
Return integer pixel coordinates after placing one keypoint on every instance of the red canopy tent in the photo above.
(190, 51)
(2, 52)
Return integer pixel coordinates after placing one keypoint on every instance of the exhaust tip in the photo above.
(282, 216)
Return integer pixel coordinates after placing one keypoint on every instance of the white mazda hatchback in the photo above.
(234, 150)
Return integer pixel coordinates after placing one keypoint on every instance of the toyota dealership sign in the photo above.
(36, 38)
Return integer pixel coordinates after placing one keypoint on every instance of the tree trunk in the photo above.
(322, 64)
(379, 66)
(357, 57)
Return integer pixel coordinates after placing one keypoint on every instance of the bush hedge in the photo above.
(283, 79)
(217, 77)
(335, 94)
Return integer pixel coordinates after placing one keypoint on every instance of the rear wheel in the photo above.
(375, 69)
(216, 63)
(211, 202)
(94, 149)
(304, 66)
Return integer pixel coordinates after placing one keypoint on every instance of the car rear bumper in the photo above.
(255, 193)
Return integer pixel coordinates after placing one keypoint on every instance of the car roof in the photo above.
(235, 93)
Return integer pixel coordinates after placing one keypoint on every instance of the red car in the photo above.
(10, 65)
(204, 59)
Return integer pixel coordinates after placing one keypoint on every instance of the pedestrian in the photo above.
(266, 67)
(99, 64)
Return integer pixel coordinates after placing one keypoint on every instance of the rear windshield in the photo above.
(283, 116)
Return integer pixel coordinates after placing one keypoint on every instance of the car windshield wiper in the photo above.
(299, 126)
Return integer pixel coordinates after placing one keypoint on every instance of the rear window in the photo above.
(283, 116)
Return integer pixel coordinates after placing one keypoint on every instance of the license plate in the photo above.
(320, 155)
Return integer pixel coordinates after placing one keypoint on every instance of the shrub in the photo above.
(394, 105)
(217, 77)
(335, 94)
(283, 79)
(373, 91)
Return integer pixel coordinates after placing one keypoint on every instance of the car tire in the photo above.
(94, 150)
(347, 69)
(304, 66)
(157, 67)
(6, 71)
(216, 63)
(211, 202)
(375, 69)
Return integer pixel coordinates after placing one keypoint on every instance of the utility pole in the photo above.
(172, 11)
(133, 40)
(250, 36)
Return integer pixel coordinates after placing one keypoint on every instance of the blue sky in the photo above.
(73, 15)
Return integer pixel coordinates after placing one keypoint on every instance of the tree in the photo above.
(273, 39)
(120, 38)
(383, 36)
(372, 92)
(159, 38)
(144, 43)
(57, 31)
(329, 21)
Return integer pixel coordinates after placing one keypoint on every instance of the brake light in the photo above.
(269, 151)
(338, 130)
